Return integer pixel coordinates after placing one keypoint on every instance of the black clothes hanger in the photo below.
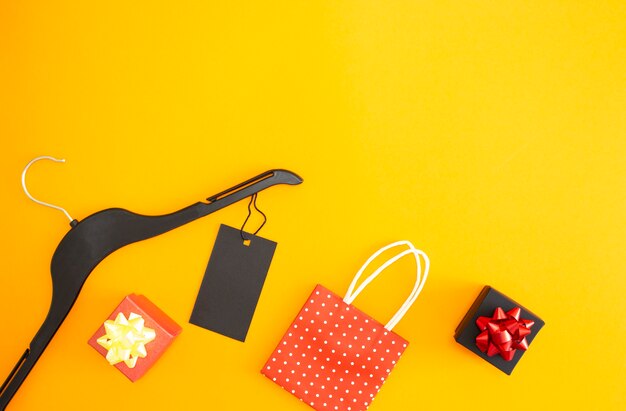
(91, 240)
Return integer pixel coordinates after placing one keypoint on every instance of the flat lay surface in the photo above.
(491, 135)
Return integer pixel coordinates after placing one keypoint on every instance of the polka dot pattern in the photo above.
(334, 356)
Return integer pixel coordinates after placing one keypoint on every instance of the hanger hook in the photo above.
(34, 160)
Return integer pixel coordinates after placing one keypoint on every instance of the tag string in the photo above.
(252, 202)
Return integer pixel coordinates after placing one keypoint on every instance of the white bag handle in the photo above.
(419, 282)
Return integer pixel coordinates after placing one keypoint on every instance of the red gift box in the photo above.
(336, 357)
(135, 335)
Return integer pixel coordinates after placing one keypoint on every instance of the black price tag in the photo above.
(232, 283)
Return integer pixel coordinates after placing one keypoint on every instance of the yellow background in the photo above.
(492, 134)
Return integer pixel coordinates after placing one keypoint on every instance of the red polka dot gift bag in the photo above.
(336, 357)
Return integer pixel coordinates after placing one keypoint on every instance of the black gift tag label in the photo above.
(232, 283)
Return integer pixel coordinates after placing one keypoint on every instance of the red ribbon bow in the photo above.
(503, 333)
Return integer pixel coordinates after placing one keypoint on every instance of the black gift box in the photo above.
(488, 300)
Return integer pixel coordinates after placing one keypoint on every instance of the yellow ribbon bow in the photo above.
(126, 339)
